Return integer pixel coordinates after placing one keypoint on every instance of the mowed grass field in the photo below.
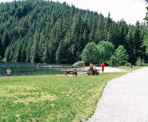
(51, 98)
(133, 68)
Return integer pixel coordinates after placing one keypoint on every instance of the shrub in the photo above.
(127, 64)
(145, 64)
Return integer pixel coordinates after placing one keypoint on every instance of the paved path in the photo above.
(124, 99)
(108, 69)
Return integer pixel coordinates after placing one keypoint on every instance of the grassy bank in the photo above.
(50, 98)
(128, 68)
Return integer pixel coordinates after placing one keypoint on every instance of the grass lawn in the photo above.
(50, 98)
(128, 68)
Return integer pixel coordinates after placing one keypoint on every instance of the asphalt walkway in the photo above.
(124, 99)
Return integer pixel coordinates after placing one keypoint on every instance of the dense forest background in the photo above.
(47, 31)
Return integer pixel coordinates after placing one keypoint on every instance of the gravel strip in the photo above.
(124, 99)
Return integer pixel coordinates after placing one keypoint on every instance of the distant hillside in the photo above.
(46, 31)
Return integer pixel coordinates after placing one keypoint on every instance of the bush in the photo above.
(78, 63)
(127, 64)
(144, 64)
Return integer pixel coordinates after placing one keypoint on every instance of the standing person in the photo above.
(102, 65)
(83, 66)
(8, 72)
(131, 67)
(91, 68)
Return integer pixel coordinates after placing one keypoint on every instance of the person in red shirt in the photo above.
(102, 65)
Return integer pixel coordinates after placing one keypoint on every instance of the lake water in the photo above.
(27, 69)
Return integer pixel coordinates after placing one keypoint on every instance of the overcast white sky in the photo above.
(129, 10)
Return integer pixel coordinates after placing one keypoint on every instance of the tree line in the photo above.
(47, 31)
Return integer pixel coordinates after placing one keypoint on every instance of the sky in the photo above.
(129, 10)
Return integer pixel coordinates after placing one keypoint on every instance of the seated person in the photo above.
(91, 68)
(74, 70)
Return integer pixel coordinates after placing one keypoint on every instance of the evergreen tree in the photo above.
(130, 45)
(77, 36)
(93, 28)
(99, 31)
(60, 53)
(145, 35)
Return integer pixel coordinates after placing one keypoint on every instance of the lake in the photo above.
(19, 69)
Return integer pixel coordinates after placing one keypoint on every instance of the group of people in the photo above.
(102, 67)
(92, 66)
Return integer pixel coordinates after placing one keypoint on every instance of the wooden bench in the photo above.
(69, 72)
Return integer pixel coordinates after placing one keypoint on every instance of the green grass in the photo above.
(128, 67)
(50, 98)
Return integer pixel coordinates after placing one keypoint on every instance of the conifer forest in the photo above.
(47, 31)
